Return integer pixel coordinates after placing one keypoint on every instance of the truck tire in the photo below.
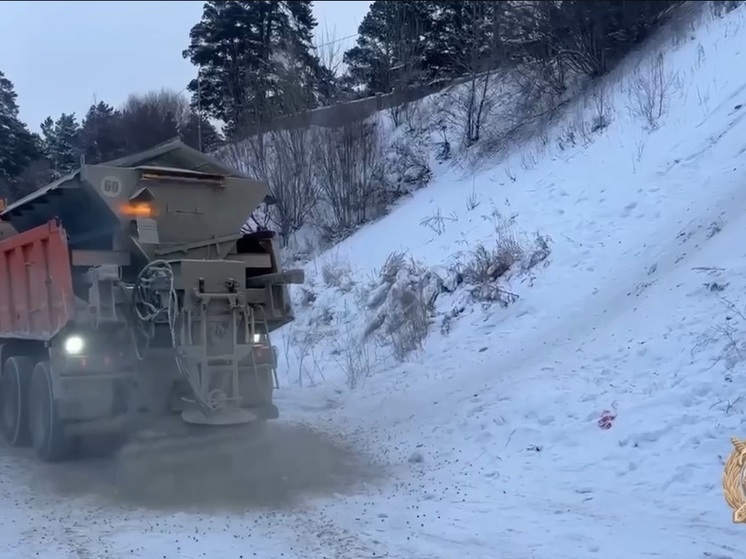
(14, 400)
(47, 431)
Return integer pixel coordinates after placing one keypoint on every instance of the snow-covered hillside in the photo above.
(491, 432)
(488, 441)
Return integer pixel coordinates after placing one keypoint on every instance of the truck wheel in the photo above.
(47, 431)
(14, 399)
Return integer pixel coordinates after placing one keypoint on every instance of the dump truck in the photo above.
(128, 295)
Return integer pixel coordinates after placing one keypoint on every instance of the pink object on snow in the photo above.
(607, 418)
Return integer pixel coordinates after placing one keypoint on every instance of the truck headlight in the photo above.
(74, 345)
(257, 338)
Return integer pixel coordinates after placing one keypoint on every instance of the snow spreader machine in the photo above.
(128, 296)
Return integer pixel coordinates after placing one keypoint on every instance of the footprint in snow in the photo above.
(627, 211)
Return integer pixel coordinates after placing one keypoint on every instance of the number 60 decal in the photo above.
(111, 187)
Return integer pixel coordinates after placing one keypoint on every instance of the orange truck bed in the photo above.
(36, 289)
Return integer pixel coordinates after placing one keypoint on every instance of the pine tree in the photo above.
(18, 146)
(255, 61)
(201, 135)
(102, 134)
(393, 45)
(62, 143)
(587, 37)
(468, 37)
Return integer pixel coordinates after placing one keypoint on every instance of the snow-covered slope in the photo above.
(488, 441)
(629, 317)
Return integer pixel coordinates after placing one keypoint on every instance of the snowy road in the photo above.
(239, 501)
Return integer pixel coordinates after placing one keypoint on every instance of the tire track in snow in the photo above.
(321, 537)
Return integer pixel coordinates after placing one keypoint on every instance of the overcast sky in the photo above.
(61, 56)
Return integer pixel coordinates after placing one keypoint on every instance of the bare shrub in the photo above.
(350, 173)
(577, 132)
(704, 100)
(402, 306)
(567, 138)
(482, 270)
(727, 337)
(414, 116)
(508, 110)
(511, 251)
(329, 50)
(408, 165)
(475, 107)
(529, 160)
(510, 174)
(521, 107)
(583, 126)
(437, 221)
(299, 349)
(408, 323)
(476, 60)
(540, 250)
(394, 262)
(336, 273)
(582, 129)
(650, 90)
(284, 160)
(472, 201)
(292, 180)
(469, 105)
(700, 57)
(407, 74)
(355, 356)
(444, 153)
(637, 154)
(602, 108)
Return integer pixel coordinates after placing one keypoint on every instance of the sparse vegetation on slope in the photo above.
(388, 318)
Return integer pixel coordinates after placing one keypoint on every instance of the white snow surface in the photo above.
(503, 410)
